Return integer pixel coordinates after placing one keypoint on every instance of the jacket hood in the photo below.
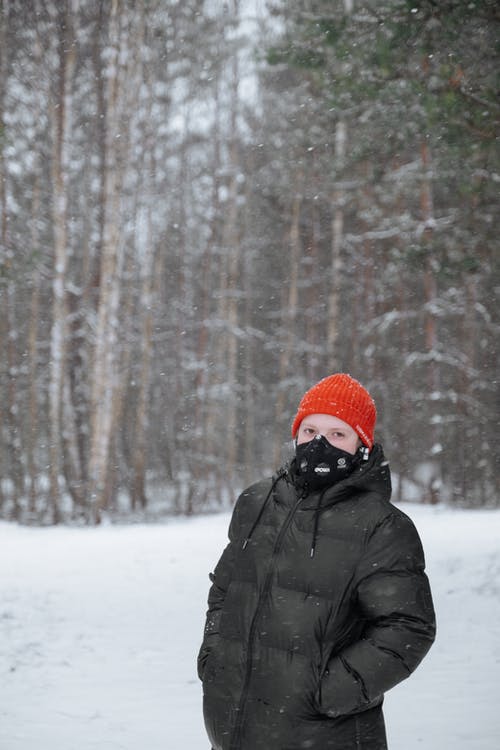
(371, 476)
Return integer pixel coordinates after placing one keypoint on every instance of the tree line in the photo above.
(206, 207)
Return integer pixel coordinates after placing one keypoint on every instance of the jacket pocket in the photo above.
(202, 662)
(205, 655)
(209, 668)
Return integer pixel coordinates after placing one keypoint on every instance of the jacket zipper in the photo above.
(235, 738)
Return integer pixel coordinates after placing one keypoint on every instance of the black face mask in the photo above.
(320, 464)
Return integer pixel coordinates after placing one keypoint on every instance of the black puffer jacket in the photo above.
(319, 604)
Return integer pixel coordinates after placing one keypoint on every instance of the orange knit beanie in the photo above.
(340, 396)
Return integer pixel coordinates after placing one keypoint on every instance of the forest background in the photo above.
(207, 206)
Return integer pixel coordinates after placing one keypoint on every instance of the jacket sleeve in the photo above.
(220, 579)
(393, 597)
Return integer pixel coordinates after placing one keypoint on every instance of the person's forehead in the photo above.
(326, 421)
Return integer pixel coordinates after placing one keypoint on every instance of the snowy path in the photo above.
(99, 630)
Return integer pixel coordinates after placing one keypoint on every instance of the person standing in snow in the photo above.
(319, 603)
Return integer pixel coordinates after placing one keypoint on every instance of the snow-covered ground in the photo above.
(100, 627)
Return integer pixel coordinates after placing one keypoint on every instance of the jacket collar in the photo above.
(372, 475)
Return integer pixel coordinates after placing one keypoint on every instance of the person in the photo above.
(319, 604)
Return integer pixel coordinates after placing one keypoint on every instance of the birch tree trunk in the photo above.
(106, 340)
(431, 494)
(289, 319)
(251, 358)
(33, 424)
(13, 435)
(207, 408)
(469, 458)
(231, 243)
(334, 361)
(61, 128)
(430, 285)
(314, 320)
(3, 217)
(11, 409)
(92, 271)
(124, 77)
(33, 421)
(223, 411)
(151, 272)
